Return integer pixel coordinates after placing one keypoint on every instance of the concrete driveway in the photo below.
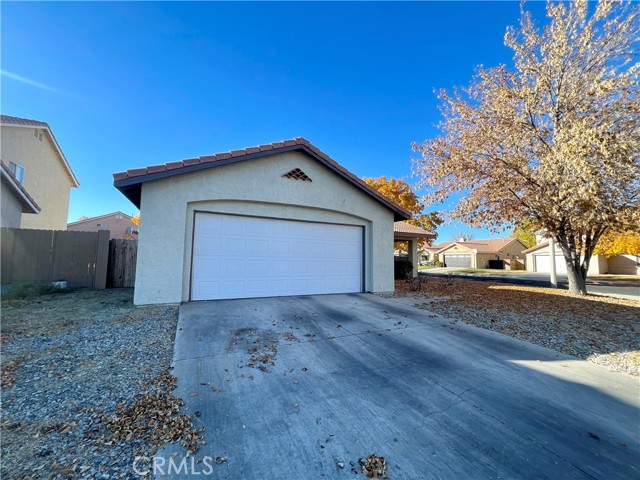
(351, 375)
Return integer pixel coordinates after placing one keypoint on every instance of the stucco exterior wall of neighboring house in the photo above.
(252, 187)
(624, 264)
(512, 250)
(599, 264)
(481, 251)
(11, 209)
(45, 176)
(119, 224)
(15, 200)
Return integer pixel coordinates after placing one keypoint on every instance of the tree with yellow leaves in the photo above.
(614, 243)
(400, 192)
(554, 141)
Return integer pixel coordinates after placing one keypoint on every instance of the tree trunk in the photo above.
(577, 282)
(577, 266)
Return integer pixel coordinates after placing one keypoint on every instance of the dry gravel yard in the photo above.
(600, 329)
(83, 375)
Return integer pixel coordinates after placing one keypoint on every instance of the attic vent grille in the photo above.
(297, 174)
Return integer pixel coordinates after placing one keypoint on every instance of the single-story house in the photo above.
(477, 253)
(15, 199)
(120, 225)
(538, 260)
(412, 234)
(273, 220)
(428, 254)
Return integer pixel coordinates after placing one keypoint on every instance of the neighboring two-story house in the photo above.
(32, 154)
(120, 225)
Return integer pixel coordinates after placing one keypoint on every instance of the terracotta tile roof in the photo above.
(494, 245)
(129, 182)
(8, 120)
(26, 122)
(408, 230)
(9, 179)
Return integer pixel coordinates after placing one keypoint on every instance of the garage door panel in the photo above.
(457, 260)
(241, 257)
(211, 265)
(543, 264)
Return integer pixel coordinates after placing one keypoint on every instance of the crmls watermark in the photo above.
(162, 466)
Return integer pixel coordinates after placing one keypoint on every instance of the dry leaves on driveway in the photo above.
(603, 330)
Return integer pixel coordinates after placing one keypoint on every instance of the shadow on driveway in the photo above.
(295, 387)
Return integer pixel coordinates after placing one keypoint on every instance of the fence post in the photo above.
(102, 259)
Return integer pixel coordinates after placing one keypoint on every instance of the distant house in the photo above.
(539, 260)
(477, 253)
(32, 154)
(120, 225)
(15, 200)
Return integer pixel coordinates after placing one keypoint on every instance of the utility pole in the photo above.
(552, 263)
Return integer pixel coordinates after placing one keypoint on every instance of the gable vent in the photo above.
(297, 174)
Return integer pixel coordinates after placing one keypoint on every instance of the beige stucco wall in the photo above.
(116, 226)
(458, 250)
(11, 208)
(252, 187)
(45, 177)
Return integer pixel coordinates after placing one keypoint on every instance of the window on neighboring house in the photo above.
(102, 225)
(17, 171)
(132, 230)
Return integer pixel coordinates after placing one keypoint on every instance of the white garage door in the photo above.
(458, 260)
(244, 257)
(543, 263)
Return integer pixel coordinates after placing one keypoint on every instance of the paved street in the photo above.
(620, 288)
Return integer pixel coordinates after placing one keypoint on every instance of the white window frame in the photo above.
(18, 171)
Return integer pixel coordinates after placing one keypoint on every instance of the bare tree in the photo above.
(555, 142)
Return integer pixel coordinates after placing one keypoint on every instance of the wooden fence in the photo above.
(122, 263)
(42, 256)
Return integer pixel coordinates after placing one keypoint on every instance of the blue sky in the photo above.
(125, 85)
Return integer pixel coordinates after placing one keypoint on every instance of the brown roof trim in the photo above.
(29, 205)
(130, 182)
(536, 247)
(27, 122)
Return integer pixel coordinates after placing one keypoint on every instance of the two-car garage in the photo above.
(273, 220)
(243, 257)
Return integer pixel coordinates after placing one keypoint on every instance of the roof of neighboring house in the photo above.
(536, 247)
(406, 230)
(6, 120)
(130, 182)
(8, 178)
(90, 219)
(481, 246)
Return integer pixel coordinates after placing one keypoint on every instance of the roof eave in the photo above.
(131, 187)
(28, 205)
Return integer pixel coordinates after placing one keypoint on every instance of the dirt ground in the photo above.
(600, 329)
(82, 374)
